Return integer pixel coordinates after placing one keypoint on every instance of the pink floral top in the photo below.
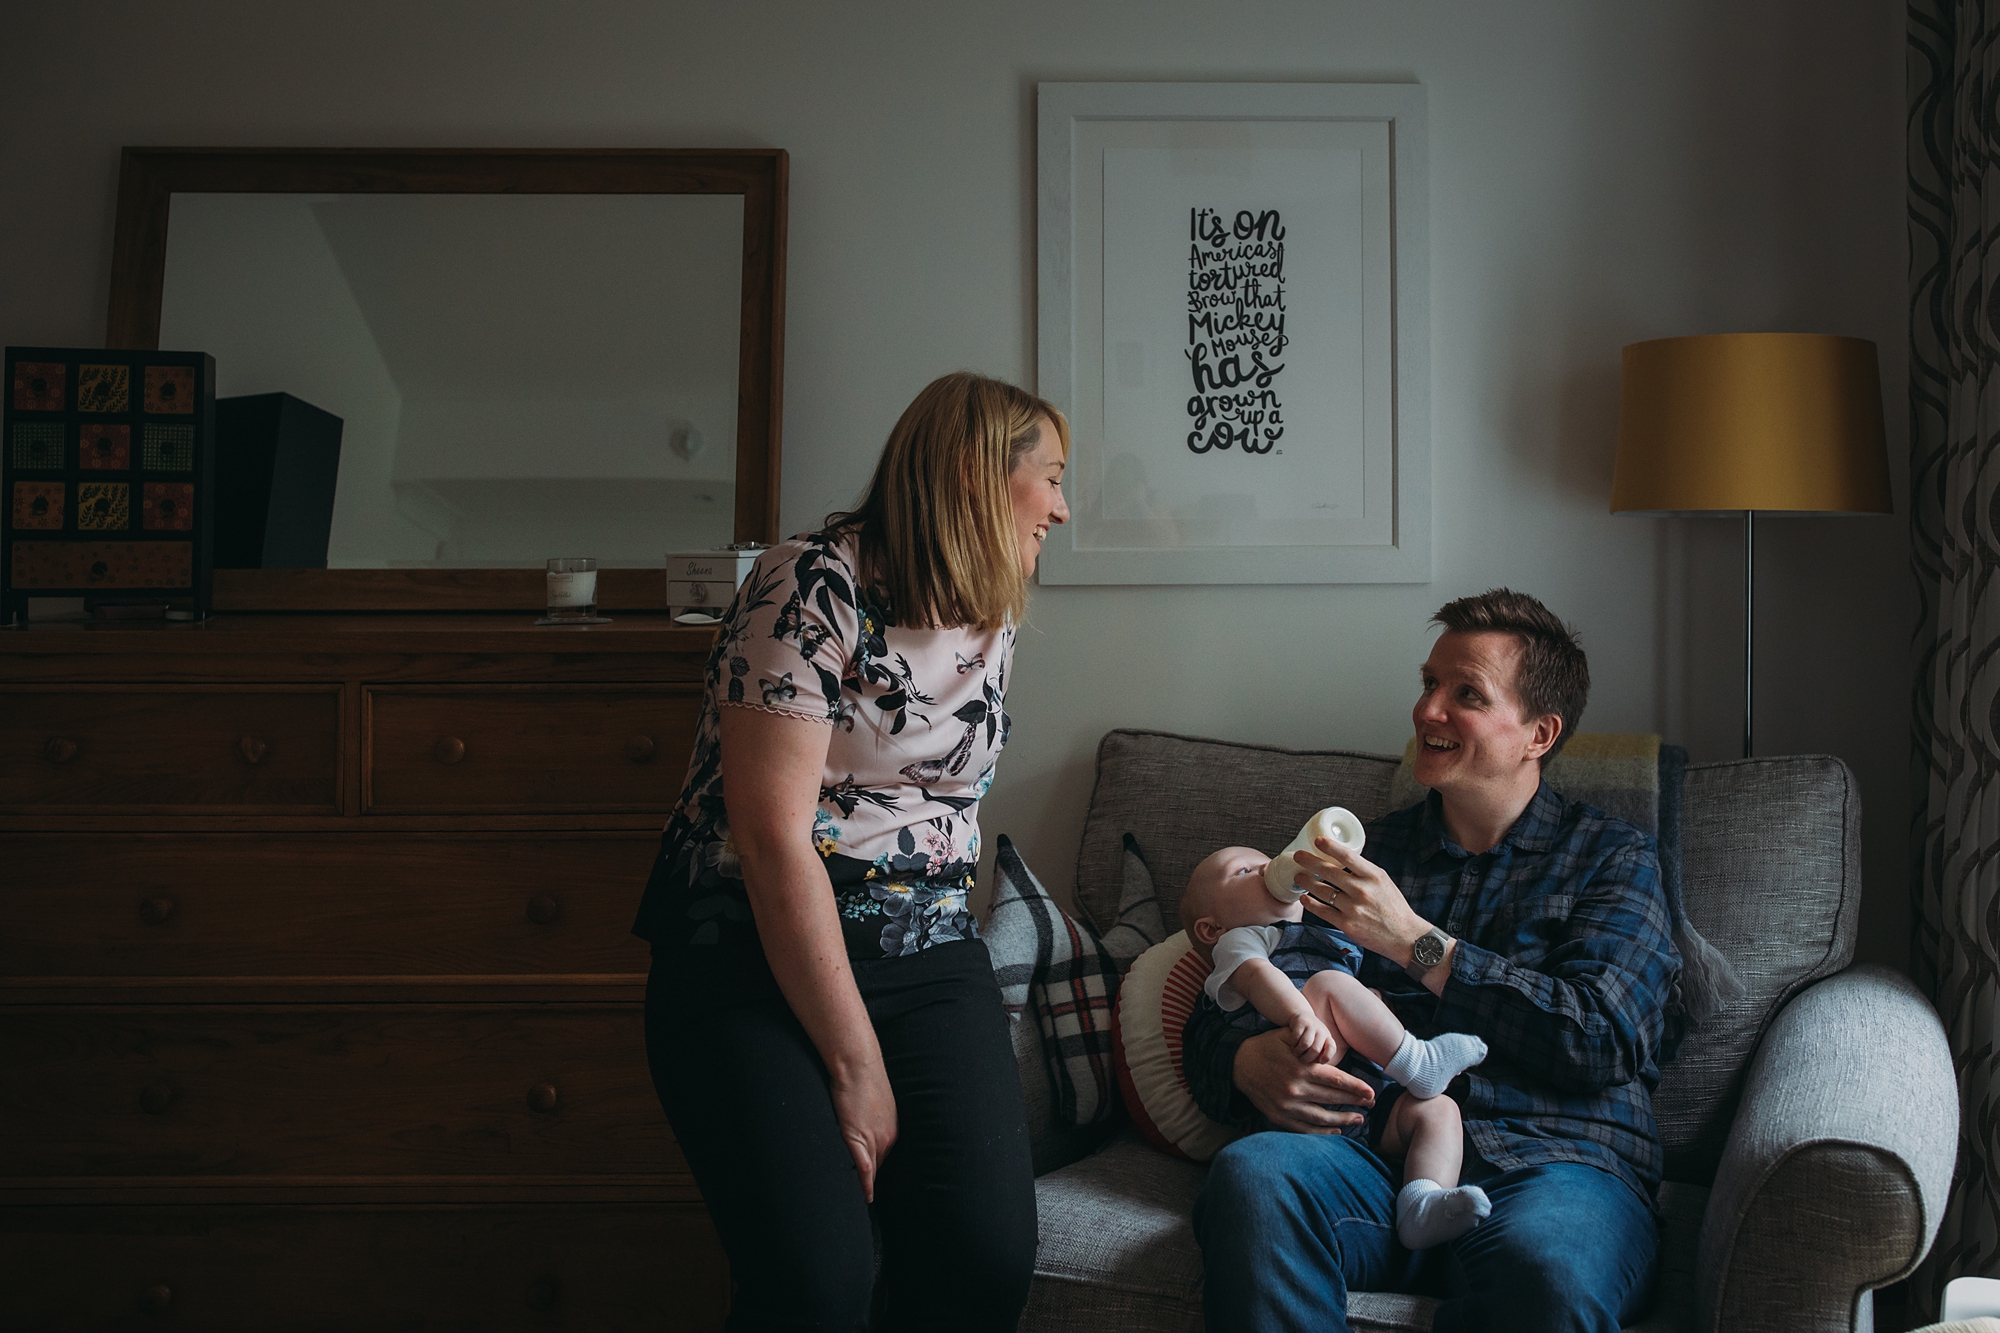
(918, 721)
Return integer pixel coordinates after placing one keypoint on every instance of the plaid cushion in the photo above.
(1042, 954)
(1139, 925)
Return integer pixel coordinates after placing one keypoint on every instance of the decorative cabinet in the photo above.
(318, 1008)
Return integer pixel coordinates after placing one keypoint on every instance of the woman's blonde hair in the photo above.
(935, 526)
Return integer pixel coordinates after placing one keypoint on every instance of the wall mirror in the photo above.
(533, 353)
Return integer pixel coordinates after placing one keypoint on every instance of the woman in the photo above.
(821, 1020)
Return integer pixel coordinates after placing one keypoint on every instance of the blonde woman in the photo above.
(821, 1020)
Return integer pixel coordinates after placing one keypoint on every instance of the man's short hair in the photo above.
(1553, 675)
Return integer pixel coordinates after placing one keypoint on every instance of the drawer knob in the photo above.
(543, 1098)
(155, 911)
(543, 909)
(639, 749)
(155, 1098)
(449, 750)
(252, 750)
(59, 751)
(157, 1299)
(542, 1293)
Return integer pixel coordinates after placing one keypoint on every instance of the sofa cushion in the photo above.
(1069, 978)
(1771, 871)
(1139, 926)
(1055, 1142)
(1182, 798)
(1154, 1003)
(1117, 1244)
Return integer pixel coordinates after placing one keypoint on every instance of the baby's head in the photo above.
(1226, 891)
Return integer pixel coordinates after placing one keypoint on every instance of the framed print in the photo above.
(1234, 314)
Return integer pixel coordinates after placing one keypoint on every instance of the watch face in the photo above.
(1428, 951)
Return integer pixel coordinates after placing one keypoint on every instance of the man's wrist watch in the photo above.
(1428, 951)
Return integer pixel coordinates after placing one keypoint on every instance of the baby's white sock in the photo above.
(1425, 1067)
(1428, 1214)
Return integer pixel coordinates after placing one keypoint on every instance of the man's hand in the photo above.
(1311, 1041)
(1359, 897)
(1294, 1094)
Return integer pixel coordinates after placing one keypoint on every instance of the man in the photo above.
(1495, 907)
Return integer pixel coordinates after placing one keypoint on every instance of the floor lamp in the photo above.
(1749, 423)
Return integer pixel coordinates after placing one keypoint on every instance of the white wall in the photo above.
(1600, 173)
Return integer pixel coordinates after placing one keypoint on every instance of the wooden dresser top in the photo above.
(279, 633)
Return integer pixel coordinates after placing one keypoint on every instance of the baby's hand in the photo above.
(1310, 1039)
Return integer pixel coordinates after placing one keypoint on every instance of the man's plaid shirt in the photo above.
(1565, 963)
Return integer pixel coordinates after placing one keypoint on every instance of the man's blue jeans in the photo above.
(1289, 1223)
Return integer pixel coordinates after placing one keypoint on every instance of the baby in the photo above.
(1311, 991)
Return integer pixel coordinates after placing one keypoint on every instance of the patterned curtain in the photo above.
(1954, 166)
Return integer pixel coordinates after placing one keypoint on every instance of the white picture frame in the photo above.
(1229, 265)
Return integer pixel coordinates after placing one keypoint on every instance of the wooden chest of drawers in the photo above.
(320, 1009)
(84, 750)
(504, 749)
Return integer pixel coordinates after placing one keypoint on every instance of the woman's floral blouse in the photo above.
(918, 721)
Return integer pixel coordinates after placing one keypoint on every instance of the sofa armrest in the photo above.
(1834, 1178)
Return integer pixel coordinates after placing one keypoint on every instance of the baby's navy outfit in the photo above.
(1299, 949)
(1324, 948)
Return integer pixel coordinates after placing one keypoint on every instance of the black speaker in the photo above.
(276, 460)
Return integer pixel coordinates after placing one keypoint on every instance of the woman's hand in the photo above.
(1295, 1094)
(866, 1109)
(1359, 897)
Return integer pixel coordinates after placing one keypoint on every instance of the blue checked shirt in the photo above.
(1565, 963)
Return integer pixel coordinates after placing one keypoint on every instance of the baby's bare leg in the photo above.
(1429, 1136)
(1432, 1207)
(1359, 1017)
(1355, 1013)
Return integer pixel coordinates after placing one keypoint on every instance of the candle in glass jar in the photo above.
(572, 588)
(572, 591)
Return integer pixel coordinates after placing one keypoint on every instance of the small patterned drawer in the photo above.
(262, 1093)
(528, 749)
(135, 749)
(107, 462)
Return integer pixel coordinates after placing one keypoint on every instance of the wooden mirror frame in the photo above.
(148, 178)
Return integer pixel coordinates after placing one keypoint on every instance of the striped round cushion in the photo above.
(1154, 1002)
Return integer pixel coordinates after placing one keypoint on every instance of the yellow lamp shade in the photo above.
(1763, 421)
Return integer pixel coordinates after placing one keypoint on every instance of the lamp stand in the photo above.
(1749, 619)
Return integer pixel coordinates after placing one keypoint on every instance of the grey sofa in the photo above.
(1809, 1130)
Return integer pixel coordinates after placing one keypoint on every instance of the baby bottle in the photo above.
(1332, 822)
